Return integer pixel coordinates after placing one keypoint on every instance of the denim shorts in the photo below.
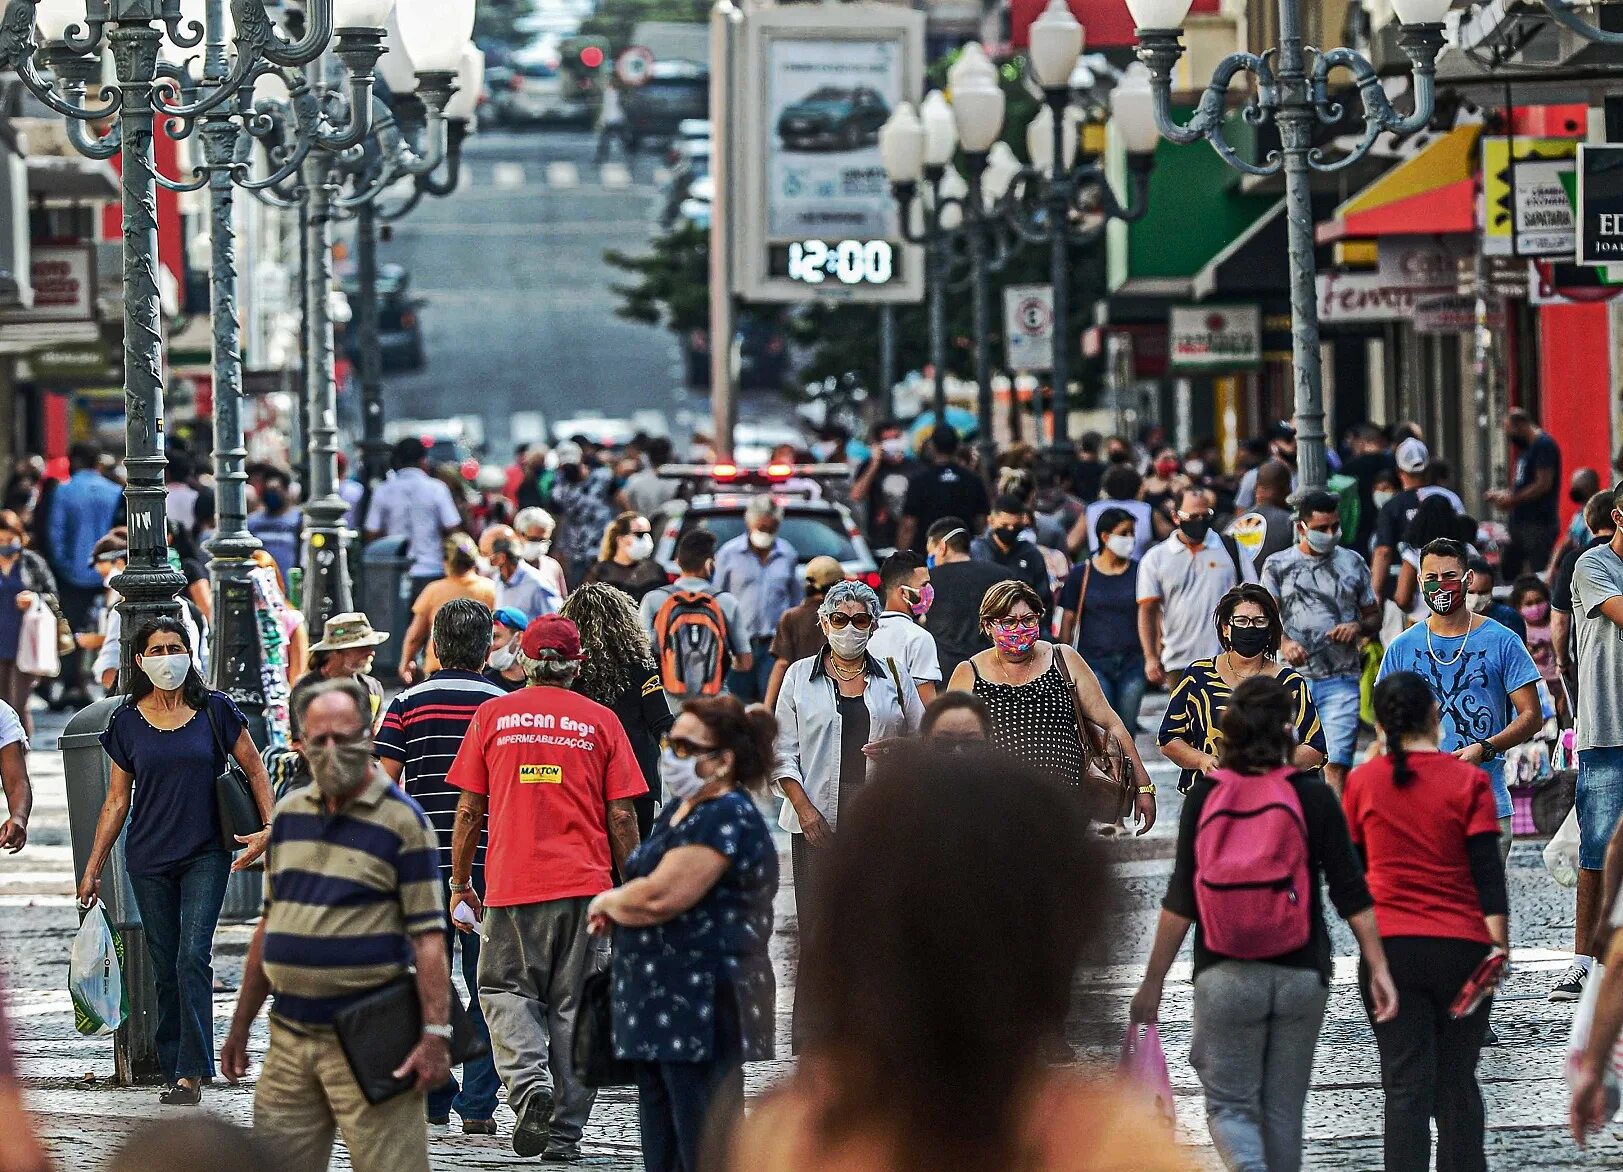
(1600, 803)
(1337, 700)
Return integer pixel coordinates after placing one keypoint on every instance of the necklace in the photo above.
(846, 674)
(1236, 673)
(1432, 651)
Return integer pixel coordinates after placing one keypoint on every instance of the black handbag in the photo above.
(377, 1033)
(233, 793)
(593, 1053)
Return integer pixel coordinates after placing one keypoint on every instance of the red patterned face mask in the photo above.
(1015, 638)
(1443, 597)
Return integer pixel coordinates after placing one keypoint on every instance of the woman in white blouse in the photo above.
(830, 708)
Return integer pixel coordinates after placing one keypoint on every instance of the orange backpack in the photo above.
(690, 639)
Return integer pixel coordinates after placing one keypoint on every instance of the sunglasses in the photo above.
(839, 620)
(686, 750)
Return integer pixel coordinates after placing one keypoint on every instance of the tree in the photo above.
(497, 21)
(673, 280)
(616, 19)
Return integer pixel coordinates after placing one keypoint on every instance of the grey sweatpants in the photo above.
(1256, 1027)
(533, 960)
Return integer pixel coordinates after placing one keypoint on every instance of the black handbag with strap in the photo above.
(378, 1032)
(593, 1052)
(1106, 785)
(233, 793)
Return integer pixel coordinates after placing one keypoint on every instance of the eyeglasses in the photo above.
(684, 749)
(1245, 623)
(1016, 624)
(840, 620)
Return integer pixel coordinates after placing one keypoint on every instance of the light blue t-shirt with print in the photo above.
(1472, 684)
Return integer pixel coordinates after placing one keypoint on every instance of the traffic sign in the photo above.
(633, 64)
(1028, 324)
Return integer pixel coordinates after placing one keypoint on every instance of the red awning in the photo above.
(1107, 23)
(1431, 213)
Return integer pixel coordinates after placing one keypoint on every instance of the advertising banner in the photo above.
(1215, 338)
(1028, 324)
(1525, 206)
(1600, 204)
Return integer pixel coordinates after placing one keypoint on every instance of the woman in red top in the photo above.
(1426, 825)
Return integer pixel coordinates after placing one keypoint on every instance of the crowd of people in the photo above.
(563, 801)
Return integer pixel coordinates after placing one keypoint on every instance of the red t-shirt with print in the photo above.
(1413, 839)
(550, 762)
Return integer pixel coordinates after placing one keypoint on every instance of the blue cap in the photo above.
(511, 616)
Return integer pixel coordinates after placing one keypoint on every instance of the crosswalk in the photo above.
(556, 175)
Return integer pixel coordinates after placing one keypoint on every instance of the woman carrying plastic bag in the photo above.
(96, 975)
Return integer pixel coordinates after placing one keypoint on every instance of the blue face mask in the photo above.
(930, 561)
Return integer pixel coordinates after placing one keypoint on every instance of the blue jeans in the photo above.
(179, 910)
(750, 686)
(1600, 803)
(1338, 699)
(475, 1096)
(1121, 678)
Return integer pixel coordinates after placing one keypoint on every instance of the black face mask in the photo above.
(1249, 642)
(1006, 535)
(1197, 529)
(273, 499)
(1577, 497)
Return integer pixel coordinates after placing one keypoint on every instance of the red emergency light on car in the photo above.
(724, 472)
(779, 471)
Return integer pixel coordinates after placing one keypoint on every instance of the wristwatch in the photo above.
(438, 1031)
(459, 888)
(1488, 751)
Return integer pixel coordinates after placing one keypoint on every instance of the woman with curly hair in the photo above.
(620, 672)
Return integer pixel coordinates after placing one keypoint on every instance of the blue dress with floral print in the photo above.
(666, 978)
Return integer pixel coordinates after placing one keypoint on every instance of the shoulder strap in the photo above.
(1076, 697)
(1082, 596)
(895, 677)
(1233, 549)
(214, 728)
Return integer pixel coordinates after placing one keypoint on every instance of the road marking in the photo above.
(562, 173)
(465, 180)
(507, 176)
(605, 228)
(615, 176)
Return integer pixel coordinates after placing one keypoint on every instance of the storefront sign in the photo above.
(1600, 204)
(1406, 269)
(1525, 207)
(69, 362)
(1215, 338)
(1450, 313)
(64, 280)
(1028, 324)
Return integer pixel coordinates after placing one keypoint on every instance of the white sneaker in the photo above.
(1571, 985)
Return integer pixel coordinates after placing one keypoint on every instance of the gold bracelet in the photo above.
(1147, 789)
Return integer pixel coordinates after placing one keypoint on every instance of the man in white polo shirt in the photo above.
(1180, 582)
(904, 582)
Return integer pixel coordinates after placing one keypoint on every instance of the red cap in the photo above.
(551, 637)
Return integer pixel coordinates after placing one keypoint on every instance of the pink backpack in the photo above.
(1253, 885)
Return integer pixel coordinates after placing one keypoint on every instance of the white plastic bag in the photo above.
(36, 642)
(96, 975)
(1561, 853)
(1582, 1018)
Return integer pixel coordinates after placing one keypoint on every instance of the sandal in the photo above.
(181, 1095)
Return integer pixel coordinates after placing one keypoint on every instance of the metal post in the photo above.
(374, 451)
(326, 540)
(723, 386)
(236, 657)
(887, 359)
(935, 280)
(148, 586)
(981, 274)
(1296, 118)
(1059, 193)
(301, 411)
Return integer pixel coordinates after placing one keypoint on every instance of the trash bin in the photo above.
(386, 599)
(88, 774)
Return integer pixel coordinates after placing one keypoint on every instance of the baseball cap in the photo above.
(569, 452)
(822, 572)
(551, 637)
(1282, 430)
(1413, 456)
(511, 617)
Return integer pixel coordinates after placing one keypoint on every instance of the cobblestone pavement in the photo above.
(83, 1115)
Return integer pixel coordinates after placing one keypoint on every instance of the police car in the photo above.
(715, 497)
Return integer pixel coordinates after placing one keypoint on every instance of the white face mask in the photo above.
(536, 550)
(894, 448)
(503, 657)
(848, 642)
(1481, 602)
(1380, 498)
(640, 548)
(1121, 546)
(762, 540)
(167, 672)
(680, 775)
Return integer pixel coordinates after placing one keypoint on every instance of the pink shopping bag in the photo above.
(1143, 1068)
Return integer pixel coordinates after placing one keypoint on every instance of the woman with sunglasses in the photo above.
(830, 708)
(1032, 689)
(1250, 632)
(693, 994)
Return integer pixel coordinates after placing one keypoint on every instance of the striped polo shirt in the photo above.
(422, 729)
(343, 895)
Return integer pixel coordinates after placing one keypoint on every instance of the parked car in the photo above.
(675, 91)
(537, 91)
(400, 326)
(833, 118)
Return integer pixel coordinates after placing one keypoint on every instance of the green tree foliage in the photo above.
(615, 19)
(497, 19)
(672, 285)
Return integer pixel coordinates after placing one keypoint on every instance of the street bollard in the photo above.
(89, 773)
(386, 599)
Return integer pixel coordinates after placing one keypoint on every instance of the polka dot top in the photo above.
(1036, 722)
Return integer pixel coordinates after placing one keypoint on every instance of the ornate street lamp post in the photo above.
(1295, 94)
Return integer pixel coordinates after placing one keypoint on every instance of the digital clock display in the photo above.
(835, 263)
